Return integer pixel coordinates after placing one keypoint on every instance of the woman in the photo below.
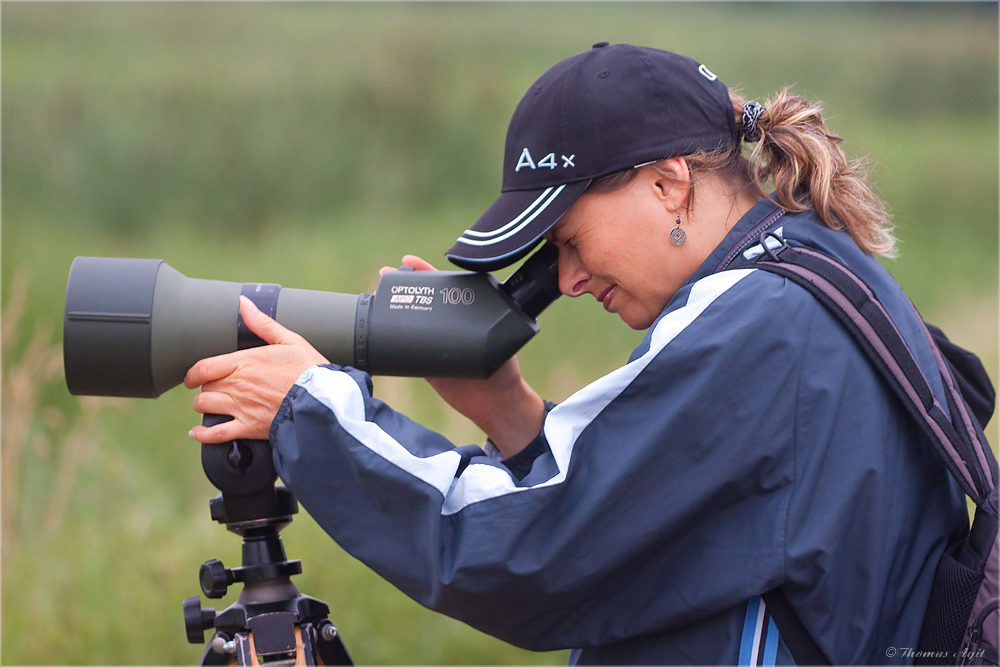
(746, 446)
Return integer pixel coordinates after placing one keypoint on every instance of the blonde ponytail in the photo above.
(804, 162)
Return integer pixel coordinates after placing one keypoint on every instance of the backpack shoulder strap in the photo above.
(958, 439)
(973, 381)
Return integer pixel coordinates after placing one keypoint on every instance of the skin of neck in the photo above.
(708, 211)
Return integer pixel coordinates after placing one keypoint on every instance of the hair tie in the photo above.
(751, 112)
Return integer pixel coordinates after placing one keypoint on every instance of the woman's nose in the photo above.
(573, 275)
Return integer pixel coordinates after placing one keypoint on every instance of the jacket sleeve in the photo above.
(625, 520)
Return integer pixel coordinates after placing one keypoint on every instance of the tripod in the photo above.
(271, 623)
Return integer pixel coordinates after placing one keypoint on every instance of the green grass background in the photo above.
(310, 144)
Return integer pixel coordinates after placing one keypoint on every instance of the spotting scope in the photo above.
(133, 327)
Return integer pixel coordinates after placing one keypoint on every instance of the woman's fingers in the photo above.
(211, 435)
(209, 370)
(269, 330)
(412, 261)
(251, 415)
(417, 263)
(214, 403)
(219, 403)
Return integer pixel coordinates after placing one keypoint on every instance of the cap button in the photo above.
(599, 45)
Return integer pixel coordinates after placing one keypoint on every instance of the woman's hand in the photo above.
(250, 384)
(504, 406)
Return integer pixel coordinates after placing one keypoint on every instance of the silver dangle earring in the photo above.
(677, 235)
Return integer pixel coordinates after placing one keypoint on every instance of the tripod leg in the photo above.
(305, 646)
(245, 654)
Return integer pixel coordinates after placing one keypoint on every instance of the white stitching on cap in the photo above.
(520, 226)
(472, 232)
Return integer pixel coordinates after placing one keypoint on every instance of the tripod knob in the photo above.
(197, 620)
(215, 578)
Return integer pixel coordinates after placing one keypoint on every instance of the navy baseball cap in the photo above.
(605, 110)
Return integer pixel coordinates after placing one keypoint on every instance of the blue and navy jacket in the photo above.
(747, 444)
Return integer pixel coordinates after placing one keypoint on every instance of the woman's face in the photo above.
(615, 246)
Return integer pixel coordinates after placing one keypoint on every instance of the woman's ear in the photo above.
(671, 182)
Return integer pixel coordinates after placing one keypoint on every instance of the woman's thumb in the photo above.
(265, 327)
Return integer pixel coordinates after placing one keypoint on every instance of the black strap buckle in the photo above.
(773, 252)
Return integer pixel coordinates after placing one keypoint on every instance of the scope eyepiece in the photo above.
(536, 284)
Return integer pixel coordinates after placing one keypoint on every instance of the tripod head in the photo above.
(272, 622)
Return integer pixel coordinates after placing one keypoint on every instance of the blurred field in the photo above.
(310, 144)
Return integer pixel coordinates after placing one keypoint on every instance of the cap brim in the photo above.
(512, 226)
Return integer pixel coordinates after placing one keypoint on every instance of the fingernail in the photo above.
(191, 433)
(247, 301)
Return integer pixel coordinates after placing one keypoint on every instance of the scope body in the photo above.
(133, 327)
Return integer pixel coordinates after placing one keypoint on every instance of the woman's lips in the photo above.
(606, 297)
